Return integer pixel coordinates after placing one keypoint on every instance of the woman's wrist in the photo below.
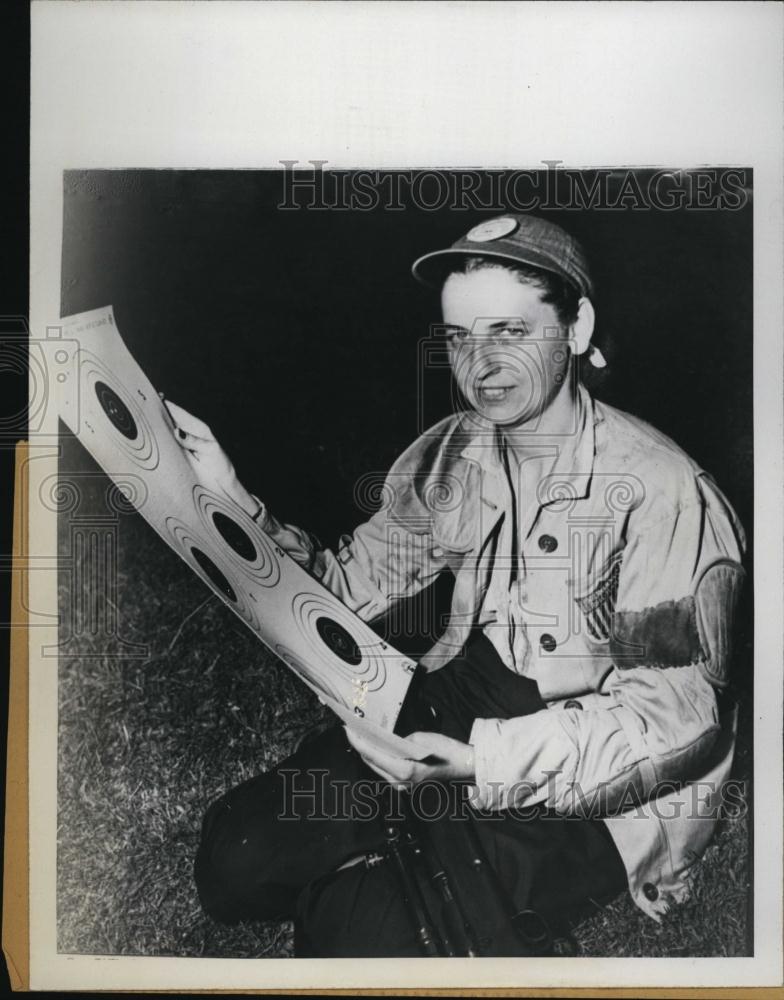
(247, 501)
(466, 767)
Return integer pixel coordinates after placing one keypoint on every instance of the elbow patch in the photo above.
(665, 635)
(694, 629)
(718, 591)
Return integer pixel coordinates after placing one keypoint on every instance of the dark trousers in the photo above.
(271, 847)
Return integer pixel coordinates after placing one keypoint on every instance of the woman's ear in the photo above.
(581, 330)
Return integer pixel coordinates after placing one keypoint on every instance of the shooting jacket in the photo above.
(610, 578)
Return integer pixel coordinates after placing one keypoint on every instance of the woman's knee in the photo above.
(356, 912)
(234, 867)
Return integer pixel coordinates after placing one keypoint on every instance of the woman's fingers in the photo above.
(359, 744)
(388, 776)
(391, 768)
(191, 443)
(424, 739)
(368, 750)
(187, 422)
(441, 747)
(393, 779)
(214, 466)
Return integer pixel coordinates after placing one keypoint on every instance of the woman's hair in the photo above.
(556, 291)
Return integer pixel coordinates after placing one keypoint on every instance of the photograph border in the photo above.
(82, 126)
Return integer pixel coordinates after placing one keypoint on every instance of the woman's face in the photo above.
(508, 352)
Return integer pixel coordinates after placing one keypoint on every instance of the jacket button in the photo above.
(547, 642)
(573, 703)
(547, 543)
(650, 891)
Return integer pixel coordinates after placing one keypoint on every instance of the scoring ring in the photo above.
(205, 562)
(246, 547)
(115, 409)
(309, 610)
(300, 666)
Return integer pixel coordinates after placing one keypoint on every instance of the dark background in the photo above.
(295, 333)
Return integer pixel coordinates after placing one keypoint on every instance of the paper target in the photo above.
(315, 680)
(119, 418)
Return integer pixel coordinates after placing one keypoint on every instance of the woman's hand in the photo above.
(449, 760)
(210, 461)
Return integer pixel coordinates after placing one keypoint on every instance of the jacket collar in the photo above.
(570, 477)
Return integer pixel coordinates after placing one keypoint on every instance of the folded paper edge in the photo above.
(16, 904)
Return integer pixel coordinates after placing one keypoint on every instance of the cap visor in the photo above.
(432, 268)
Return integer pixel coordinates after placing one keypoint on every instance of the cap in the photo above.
(522, 239)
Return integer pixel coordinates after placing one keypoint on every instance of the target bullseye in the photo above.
(234, 536)
(251, 554)
(136, 437)
(116, 411)
(339, 640)
(327, 626)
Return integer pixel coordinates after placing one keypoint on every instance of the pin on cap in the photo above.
(521, 239)
(493, 229)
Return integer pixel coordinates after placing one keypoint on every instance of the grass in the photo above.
(146, 744)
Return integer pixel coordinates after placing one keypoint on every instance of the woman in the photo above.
(577, 685)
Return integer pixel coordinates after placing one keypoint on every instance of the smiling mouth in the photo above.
(494, 394)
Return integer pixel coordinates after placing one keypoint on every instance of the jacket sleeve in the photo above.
(657, 715)
(391, 556)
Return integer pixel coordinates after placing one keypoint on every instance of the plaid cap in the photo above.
(522, 239)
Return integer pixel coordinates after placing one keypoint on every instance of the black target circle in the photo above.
(213, 574)
(234, 536)
(329, 627)
(117, 412)
(248, 550)
(339, 640)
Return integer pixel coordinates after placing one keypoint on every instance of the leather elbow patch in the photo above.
(718, 591)
(665, 635)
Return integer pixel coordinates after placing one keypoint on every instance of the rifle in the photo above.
(456, 902)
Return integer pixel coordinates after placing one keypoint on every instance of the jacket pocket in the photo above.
(456, 532)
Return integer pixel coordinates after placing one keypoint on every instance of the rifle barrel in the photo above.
(426, 936)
